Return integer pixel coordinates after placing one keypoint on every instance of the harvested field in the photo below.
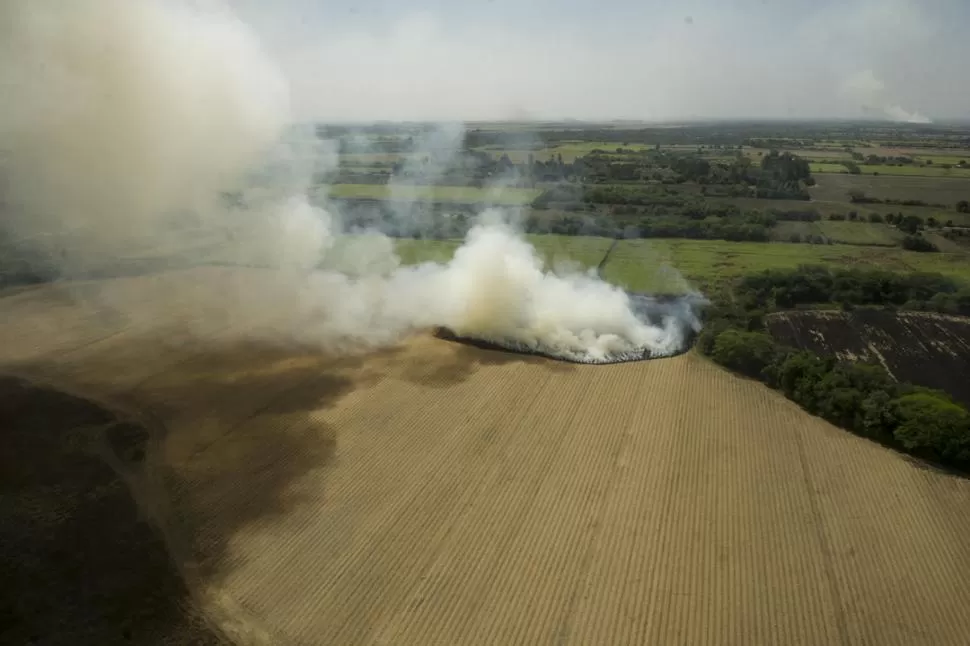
(931, 350)
(932, 190)
(435, 493)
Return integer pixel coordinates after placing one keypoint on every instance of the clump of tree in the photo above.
(795, 215)
(857, 196)
(860, 397)
(783, 176)
(918, 243)
(779, 289)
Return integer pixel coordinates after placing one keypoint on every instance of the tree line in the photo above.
(862, 398)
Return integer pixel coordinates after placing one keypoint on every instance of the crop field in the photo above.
(882, 169)
(569, 150)
(454, 194)
(830, 202)
(841, 232)
(811, 154)
(942, 190)
(827, 167)
(862, 233)
(434, 493)
(931, 350)
(662, 264)
(637, 264)
(581, 251)
(783, 231)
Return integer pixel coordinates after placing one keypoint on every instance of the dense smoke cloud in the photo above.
(162, 127)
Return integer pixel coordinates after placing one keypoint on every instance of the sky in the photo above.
(363, 60)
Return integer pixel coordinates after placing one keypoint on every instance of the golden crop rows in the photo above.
(435, 493)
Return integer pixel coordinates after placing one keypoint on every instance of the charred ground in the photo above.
(79, 562)
(926, 349)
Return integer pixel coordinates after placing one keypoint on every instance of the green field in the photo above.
(941, 190)
(828, 167)
(636, 264)
(783, 231)
(582, 252)
(648, 265)
(860, 233)
(944, 159)
(905, 170)
(569, 150)
(445, 194)
(413, 252)
(844, 232)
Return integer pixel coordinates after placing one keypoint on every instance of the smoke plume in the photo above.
(871, 92)
(161, 128)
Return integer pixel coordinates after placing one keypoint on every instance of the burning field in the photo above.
(931, 350)
(225, 175)
(267, 408)
(433, 492)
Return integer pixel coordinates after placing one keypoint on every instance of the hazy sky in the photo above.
(641, 59)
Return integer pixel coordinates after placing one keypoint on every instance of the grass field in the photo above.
(905, 170)
(453, 194)
(827, 167)
(863, 233)
(647, 265)
(439, 494)
(937, 159)
(812, 154)
(855, 233)
(841, 205)
(942, 190)
(783, 230)
(636, 264)
(581, 251)
(569, 150)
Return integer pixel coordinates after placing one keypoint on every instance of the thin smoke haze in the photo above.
(547, 59)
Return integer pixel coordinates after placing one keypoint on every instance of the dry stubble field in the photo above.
(434, 493)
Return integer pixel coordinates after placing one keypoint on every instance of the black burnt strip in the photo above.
(79, 565)
(652, 309)
(448, 335)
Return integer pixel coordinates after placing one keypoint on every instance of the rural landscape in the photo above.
(270, 378)
(424, 492)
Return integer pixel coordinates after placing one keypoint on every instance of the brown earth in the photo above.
(931, 350)
(435, 493)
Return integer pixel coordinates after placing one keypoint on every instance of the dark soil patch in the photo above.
(78, 564)
(924, 349)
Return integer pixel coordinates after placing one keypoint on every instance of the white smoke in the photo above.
(136, 127)
(872, 94)
(897, 113)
